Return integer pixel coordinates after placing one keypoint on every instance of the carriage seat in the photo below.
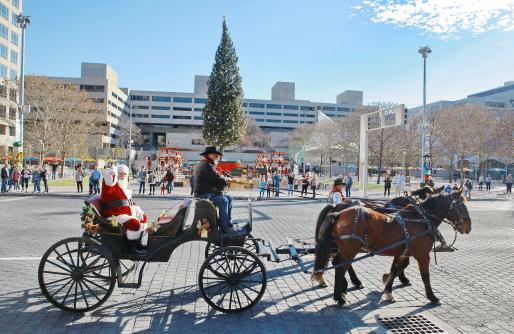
(94, 202)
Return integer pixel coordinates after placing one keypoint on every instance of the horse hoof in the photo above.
(389, 297)
(407, 283)
(385, 278)
(341, 302)
(322, 285)
(435, 301)
(358, 286)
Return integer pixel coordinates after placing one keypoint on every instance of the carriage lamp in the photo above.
(205, 228)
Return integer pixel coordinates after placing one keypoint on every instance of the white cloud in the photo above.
(445, 18)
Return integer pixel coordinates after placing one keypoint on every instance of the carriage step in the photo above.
(129, 285)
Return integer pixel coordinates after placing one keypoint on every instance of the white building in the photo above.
(10, 44)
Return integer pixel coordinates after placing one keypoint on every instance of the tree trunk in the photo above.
(450, 177)
(330, 166)
(461, 170)
(62, 165)
(320, 164)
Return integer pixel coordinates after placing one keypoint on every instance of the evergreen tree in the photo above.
(224, 120)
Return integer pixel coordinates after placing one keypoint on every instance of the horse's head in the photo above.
(458, 214)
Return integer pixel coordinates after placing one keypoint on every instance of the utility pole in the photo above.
(23, 22)
(424, 51)
(130, 139)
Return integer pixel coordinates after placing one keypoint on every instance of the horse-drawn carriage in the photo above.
(79, 274)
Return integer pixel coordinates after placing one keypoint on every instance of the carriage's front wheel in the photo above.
(250, 243)
(77, 274)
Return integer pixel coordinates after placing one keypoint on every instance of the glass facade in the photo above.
(256, 105)
(161, 98)
(181, 117)
(181, 109)
(274, 106)
(139, 98)
(14, 38)
(256, 113)
(3, 51)
(4, 31)
(92, 88)
(160, 116)
(4, 11)
(343, 109)
(307, 108)
(273, 114)
(3, 71)
(182, 99)
(290, 107)
(200, 100)
(13, 75)
(290, 115)
(141, 107)
(160, 108)
(328, 108)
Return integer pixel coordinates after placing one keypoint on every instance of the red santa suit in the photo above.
(115, 198)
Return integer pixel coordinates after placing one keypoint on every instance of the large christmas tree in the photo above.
(224, 120)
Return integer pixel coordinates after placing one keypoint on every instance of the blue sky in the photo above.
(325, 46)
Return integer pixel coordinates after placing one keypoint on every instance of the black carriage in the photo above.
(80, 273)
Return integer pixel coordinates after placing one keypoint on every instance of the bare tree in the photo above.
(254, 136)
(124, 136)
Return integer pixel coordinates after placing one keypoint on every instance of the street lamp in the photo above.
(344, 169)
(23, 21)
(41, 148)
(424, 51)
(130, 139)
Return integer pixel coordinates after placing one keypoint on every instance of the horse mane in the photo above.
(432, 204)
(325, 242)
(324, 212)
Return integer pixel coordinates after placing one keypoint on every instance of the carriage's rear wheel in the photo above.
(232, 279)
(77, 274)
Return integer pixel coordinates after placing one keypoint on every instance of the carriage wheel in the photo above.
(448, 232)
(77, 274)
(242, 281)
(250, 244)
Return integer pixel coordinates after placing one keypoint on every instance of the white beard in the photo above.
(125, 187)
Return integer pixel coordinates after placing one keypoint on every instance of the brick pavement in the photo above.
(474, 283)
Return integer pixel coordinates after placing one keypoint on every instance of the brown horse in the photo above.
(408, 233)
(395, 203)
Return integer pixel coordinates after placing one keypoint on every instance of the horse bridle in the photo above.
(456, 205)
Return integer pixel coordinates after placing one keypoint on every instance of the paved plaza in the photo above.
(475, 283)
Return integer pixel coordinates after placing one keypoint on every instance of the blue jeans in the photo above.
(37, 185)
(141, 186)
(290, 190)
(348, 191)
(4, 185)
(224, 203)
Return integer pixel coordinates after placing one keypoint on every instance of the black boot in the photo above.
(135, 247)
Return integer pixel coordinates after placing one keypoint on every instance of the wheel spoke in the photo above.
(58, 265)
(215, 285)
(69, 254)
(68, 293)
(230, 298)
(215, 278)
(91, 291)
(60, 257)
(83, 295)
(79, 251)
(75, 296)
(55, 273)
(223, 297)
(62, 287)
(57, 281)
(98, 269)
(237, 295)
(98, 286)
(94, 262)
(247, 287)
(246, 295)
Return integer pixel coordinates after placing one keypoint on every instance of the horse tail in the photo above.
(321, 217)
(324, 245)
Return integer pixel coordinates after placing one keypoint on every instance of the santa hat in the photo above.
(123, 169)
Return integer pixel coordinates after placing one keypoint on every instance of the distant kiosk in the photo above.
(377, 120)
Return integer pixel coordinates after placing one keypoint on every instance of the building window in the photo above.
(310, 116)
(92, 88)
(197, 141)
(4, 31)
(199, 100)
(139, 98)
(273, 120)
(160, 116)
(3, 111)
(259, 119)
(495, 104)
(328, 108)
(181, 117)
(198, 118)
(14, 57)
(14, 38)
(256, 105)
(343, 109)
(12, 113)
(181, 109)
(256, 113)
(274, 106)
(273, 114)
(2, 129)
(160, 108)
(16, 3)
(14, 18)
(12, 131)
(245, 104)
(140, 115)
(182, 99)
(290, 115)
(161, 98)
(290, 107)
(13, 74)
(114, 95)
(141, 107)
(290, 121)
(3, 51)
(3, 71)
(199, 109)
(4, 11)
(306, 108)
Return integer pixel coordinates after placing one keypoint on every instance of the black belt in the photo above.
(114, 204)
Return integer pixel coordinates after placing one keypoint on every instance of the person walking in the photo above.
(44, 177)
(387, 185)
(25, 176)
(348, 185)
(192, 182)
(151, 181)
(16, 175)
(36, 180)
(508, 183)
(290, 184)
(94, 181)
(481, 180)
(269, 186)
(468, 186)
(141, 176)
(168, 179)
(79, 177)
(314, 184)
(276, 183)
(5, 177)
(305, 184)
(488, 181)
(400, 184)
(54, 171)
(262, 186)
(10, 181)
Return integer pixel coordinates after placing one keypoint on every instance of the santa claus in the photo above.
(116, 200)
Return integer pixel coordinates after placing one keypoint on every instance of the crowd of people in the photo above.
(14, 179)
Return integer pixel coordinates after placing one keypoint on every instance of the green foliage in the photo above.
(224, 118)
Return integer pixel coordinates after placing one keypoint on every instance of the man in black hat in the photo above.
(210, 183)
(336, 194)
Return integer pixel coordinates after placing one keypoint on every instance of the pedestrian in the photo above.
(269, 186)
(314, 184)
(262, 187)
(192, 182)
(141, 176)
(44, 177)
(488, 181)
(448, 189)
(10, 181)
(16, 178)
(54, 171)
(455, 186)
(151, 181)
(481, 180)
(305, 184)
(348, 185)
(25, 176)
(430, 181)
(336, 194)
(36, 180)
(168, 179)
(387, 185)
(508, 183)
(290, 184)
(79, 177)
(94, 180)
(276, 183)
(400, 184)
(5, 177)
(468, 186)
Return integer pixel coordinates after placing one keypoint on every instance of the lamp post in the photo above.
(424, 51)
(344, 169)
(74, 156)
(130, 139)
(23, 22)
(41, 149)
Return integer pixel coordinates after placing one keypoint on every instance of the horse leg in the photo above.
(401, 275)
(340, 284)
(353, 277)
(423, 264)
(395, 269)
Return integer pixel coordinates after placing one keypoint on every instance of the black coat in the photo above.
(207, 179)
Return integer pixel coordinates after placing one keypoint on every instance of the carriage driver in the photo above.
(210, 183)
(336, 194)
(116, 200)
